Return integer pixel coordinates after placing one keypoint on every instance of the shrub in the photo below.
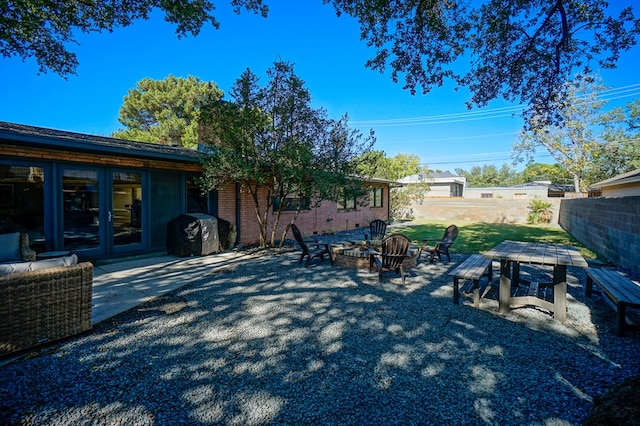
(539, 212)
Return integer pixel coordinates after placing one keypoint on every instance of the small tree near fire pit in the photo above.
(285, 153)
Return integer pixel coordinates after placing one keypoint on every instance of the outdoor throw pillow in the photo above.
(13, 268)
(72, 259)
(10, 247)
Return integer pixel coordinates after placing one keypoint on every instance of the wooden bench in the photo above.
(619, 289)
(473, 268)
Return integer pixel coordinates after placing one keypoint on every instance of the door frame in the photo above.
(106, 246)
(112, 248)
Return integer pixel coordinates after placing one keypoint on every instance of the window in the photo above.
(375, 197)
(197, 201)
(22, 206)
(486, 195)
(292, 203)
(347, 202)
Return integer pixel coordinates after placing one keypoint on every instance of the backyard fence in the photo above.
(609, 227)
(495, 210)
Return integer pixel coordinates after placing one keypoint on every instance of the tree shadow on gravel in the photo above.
(271, 341)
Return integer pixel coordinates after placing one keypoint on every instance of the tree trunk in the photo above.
(576, 183)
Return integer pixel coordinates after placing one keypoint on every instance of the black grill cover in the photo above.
(193, 234)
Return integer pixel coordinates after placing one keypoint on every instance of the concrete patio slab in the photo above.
(118, 287)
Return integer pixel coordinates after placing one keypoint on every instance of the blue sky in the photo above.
(328, 55)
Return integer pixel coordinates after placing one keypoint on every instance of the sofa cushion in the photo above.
(10, 247)
(72, 259)
(13, 268)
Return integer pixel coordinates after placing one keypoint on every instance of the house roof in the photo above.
(42, 137)
(629, 177)
(387, 181)
(443, 175)
(439, 177)
(65, 140)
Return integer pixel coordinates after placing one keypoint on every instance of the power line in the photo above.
(446, 116)
(476, 161)
(489, 114)
(542, 155)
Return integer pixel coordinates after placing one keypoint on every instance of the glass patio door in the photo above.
(126, 210)
(102, 211)
(81, 210)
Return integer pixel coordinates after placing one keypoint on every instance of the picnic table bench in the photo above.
(473, 268)
(620, 291)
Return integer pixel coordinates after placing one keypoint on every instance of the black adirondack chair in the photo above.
(311, 249)
(393, 251)
(442, 245)
(377, 230)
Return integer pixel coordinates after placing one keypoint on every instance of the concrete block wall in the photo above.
(493, 210)
(609, 227)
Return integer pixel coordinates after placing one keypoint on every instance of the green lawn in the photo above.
(476, 237)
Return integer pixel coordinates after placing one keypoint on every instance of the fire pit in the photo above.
(352, 254)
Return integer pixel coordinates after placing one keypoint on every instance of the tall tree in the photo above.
(620, 150)
(490, 175)
(589, 144)
(522, 51)
(279, 148)
(572, 142)
(540, 172)
(43, 29)
(166, 111)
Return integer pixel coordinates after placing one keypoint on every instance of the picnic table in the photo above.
(512, 254)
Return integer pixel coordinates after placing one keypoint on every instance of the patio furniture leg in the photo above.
(456, 291)
(476, 293)
(504, 294)
(560, 293)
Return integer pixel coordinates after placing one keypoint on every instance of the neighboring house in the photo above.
(102, 197)
(533, 190)
(624, 185)
(442, 184)
(448, 185)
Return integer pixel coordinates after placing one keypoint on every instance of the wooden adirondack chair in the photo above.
(377, 230)
(393, 251)
(442, 245)
(311, 249)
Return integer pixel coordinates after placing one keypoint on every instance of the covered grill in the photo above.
(194, 234)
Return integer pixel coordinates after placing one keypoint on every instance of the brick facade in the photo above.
(324, 219)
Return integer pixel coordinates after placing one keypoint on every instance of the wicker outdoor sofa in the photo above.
(44, 305)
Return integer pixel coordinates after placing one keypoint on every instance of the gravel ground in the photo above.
(272, 342)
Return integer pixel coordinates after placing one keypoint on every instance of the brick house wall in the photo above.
(311, 222)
